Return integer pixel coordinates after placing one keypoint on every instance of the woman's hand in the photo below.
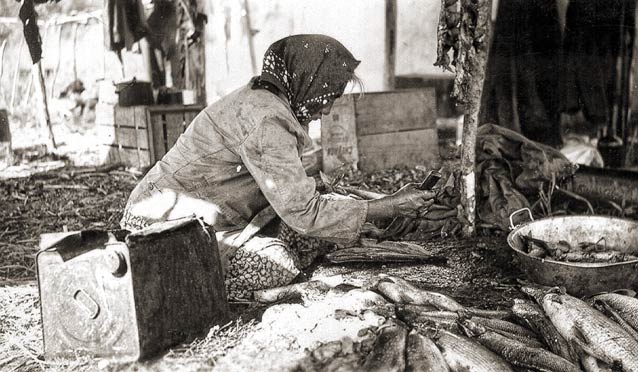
(409, 201)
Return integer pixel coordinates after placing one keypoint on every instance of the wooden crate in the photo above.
(138, 136)
(381, 130)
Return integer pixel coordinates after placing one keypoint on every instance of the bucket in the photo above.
(579, 279)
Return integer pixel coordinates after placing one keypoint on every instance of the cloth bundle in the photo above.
(511, 171)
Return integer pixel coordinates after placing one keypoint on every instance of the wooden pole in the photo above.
(2, 48)
(474, 37)
(57, 65)
(75, 54)
(390, 44)
(42, 96)
(14, 84)
(249, 32)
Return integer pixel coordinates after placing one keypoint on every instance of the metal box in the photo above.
(131, 297)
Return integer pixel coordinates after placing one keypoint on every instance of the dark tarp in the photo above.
(510, 172)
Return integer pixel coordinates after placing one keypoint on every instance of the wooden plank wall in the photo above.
(396, 128)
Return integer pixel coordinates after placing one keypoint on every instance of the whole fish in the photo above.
(448, 320)
(517, 353)
(464, 355)
(388, 353)
(400, 291)
(532, 315)
(626, 307)
(423, 355)
(592, 331)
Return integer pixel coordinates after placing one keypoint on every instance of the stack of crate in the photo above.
(138, 136)
(381, 130)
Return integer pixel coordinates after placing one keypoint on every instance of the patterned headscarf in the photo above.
(309, 70)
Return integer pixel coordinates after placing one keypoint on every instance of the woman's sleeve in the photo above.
(271, 156)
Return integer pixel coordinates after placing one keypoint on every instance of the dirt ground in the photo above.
(478, 273)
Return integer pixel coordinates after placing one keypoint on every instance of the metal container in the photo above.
(579, 279)
(134, 93)
(130, 298)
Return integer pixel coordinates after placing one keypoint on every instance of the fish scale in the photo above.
(532, 315)
(463, 354)
(518, 353)
(625, 306)
(592, 330)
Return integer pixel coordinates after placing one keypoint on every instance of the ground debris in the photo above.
(69, 198)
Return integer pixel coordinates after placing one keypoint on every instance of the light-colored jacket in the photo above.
(239, 155)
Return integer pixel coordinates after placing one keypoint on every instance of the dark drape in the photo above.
(522, 83)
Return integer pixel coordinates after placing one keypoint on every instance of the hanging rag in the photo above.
(126, 24)
(29, 18)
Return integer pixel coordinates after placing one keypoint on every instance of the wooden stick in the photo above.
(42, 95)
(2, 47)
(474, 62)
(251, 44)
(57, 65)
(15, 76)
(75, 54)
(390, 43)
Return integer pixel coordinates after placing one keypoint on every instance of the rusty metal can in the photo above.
(129, 298)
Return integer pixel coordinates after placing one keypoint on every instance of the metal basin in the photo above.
(579, 279)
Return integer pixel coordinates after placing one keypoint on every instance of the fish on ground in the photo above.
(532, 315)
(515, 352)
(591, 331)
(423, 355)
(463, 354)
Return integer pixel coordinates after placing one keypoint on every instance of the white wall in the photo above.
(358, 24)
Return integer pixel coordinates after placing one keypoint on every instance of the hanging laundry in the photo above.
(126, 24)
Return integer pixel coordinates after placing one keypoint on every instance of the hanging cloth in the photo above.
(29, 18)
(126, 24)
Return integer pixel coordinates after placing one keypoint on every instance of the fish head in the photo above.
(471, 328)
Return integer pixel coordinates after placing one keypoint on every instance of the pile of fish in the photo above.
(429, 331)
(585, 252)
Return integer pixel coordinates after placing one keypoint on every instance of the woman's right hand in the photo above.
(409, 201)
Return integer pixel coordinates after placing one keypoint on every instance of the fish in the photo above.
(537, 292)
(515, 352)
(591, 364)
(448, 321)
(423, 355)
(591, 331)
(532, 315)
(388, 352)
(463, 354)
(626, 307)
(400, 291)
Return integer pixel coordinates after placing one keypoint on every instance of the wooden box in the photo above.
(138, 136)
(381, 130)
(129, 296)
